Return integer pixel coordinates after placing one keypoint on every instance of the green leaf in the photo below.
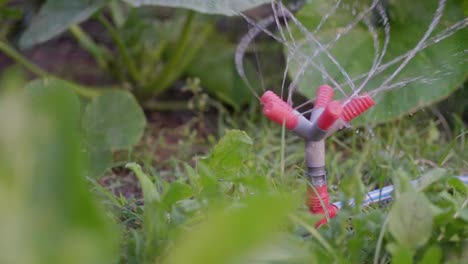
(442, 67)
(402, 182)
(222, 7)
(400, 254)
(51, 215)
(40, 92)
(431, 177)
(410, 220)
(229, 155)
(227, 235)
(433, 255)
(458, 185)
(150, 192)
(55, 16)
(217, 72)
(114, 120)
(177, 191)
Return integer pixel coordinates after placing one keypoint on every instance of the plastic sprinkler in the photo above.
(327, 117)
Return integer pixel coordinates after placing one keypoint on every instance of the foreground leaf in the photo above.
(40, 92)
(52, 217)
(228, 235)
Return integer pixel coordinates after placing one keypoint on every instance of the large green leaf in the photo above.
(229, 154)
(50, 216)
(410, 220)
(55, 16)
(223, 7)
(443, 66)
(114, 120)
(215, 67)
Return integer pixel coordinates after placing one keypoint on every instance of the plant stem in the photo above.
(166, 77)
(165, 106)
(129, 63)
(100, 54)
(283, 150)
(117, 13)
(15, 55)
(380, 241)
(314, 233)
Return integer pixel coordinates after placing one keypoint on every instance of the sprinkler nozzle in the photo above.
(356, 107)
(324, 96)
(331, 113)
(278, 111)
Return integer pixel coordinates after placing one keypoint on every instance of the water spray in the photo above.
(327, 117)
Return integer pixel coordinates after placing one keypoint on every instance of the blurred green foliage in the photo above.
(49, 215)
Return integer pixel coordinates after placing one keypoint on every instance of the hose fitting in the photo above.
(318, 202)
(325, 120)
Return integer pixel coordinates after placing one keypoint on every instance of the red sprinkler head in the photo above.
(324, 96)
(356, 107)
(331, 113)
(278, 111)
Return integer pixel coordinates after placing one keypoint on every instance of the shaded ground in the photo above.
(170, 139)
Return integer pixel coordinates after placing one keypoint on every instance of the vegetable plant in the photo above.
(151, 52)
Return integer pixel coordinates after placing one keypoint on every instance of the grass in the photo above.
(358, 160)
(240, 200)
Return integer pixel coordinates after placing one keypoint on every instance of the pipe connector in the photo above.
(318, 202)
(324, 122)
